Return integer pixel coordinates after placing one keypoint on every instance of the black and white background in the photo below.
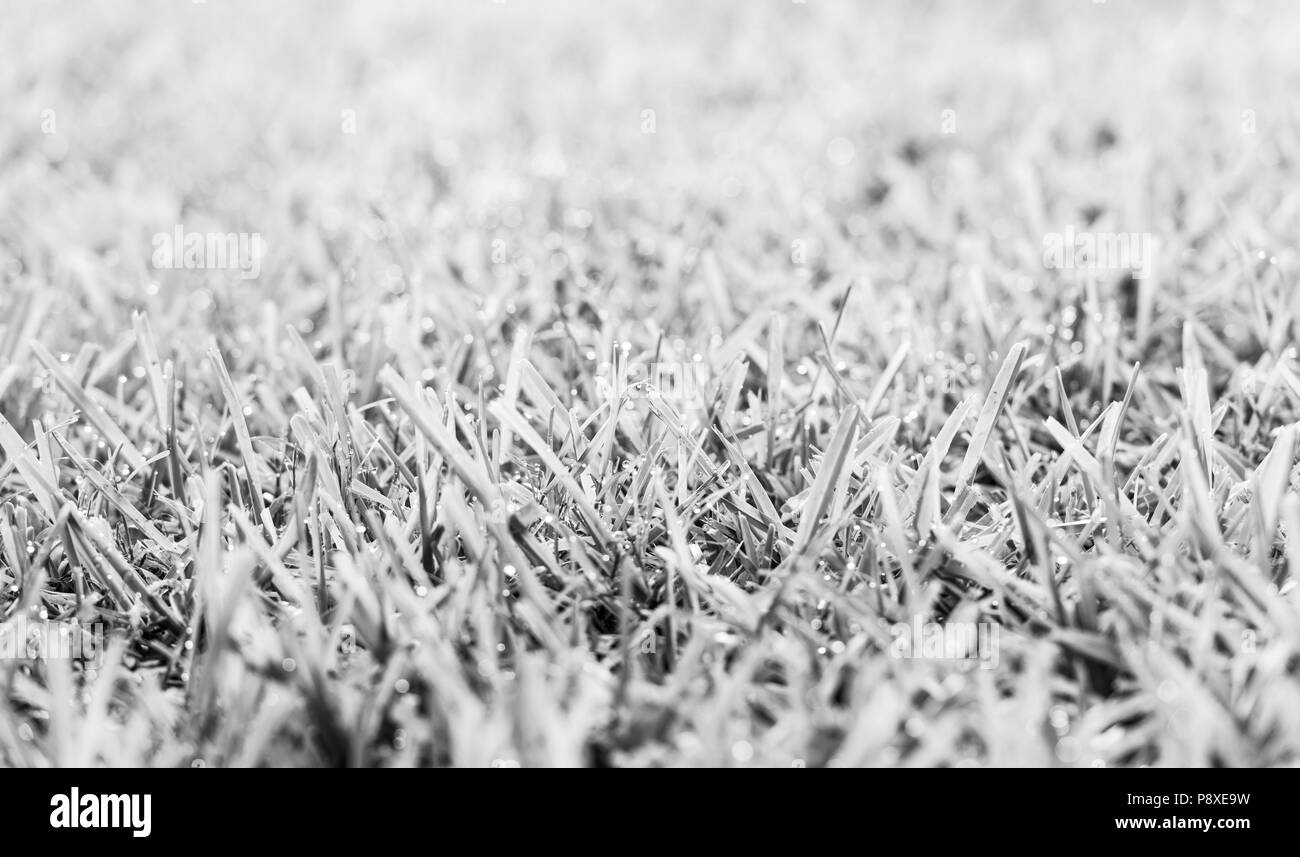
(576, 384)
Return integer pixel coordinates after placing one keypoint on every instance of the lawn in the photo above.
(678, 384)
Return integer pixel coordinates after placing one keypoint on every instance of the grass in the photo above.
(557, 432)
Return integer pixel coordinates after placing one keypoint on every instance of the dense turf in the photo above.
(614, 384)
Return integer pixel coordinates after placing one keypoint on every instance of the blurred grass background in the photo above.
(524, 122)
